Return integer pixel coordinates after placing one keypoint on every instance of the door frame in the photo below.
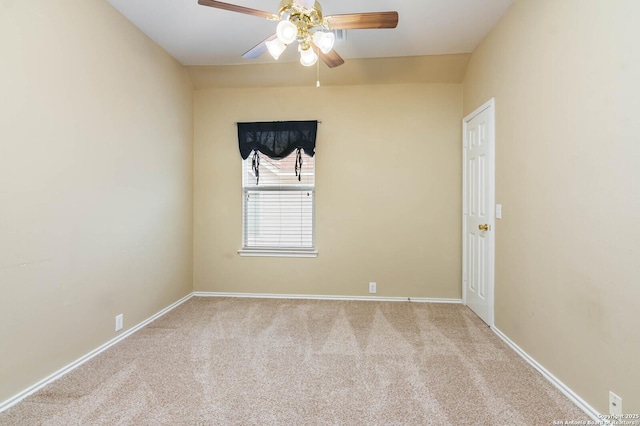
(490, 104)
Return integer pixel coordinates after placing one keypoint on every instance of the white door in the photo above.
(478, 211)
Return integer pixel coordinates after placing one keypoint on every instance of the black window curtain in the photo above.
(277, 140)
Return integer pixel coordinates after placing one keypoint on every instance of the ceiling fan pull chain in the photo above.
(299, 163)
(255, 165)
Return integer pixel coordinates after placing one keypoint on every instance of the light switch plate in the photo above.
(498, 211)
(119, 322)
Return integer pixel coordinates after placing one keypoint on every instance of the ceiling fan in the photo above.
(302, 21)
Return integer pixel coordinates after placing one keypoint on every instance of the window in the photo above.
(278, 211)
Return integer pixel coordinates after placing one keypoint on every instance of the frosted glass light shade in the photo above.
(286, 32)
(275, 47)
(324, 41)
(308, 57)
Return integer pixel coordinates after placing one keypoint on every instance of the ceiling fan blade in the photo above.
(239, 9)
(361, 21)
(332, 59)
(259, 49)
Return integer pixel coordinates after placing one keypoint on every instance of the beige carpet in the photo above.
(219, 361)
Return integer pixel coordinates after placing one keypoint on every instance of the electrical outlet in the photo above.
(615, 404)
(119, 322)
(372, 287)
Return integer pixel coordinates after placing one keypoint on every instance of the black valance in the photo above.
(277, 139)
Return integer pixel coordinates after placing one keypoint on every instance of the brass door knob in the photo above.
(484, 227)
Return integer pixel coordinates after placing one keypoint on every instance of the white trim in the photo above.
(491, 105)
(278, 253)
(70, 367)
(581, 403)
(323, 297)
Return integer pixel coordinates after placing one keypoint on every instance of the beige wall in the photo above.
(565, 78)
(95, 182)
(401, 70)
(388, 190)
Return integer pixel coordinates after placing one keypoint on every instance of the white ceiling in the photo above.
(200, 35)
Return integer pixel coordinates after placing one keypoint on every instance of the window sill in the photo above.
(278, 252)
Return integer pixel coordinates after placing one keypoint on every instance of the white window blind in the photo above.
(278, 212)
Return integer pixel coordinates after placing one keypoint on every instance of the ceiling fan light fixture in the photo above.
(304, 22)
(286, 32)
(324, 40)
(308, 57)
(276, 47)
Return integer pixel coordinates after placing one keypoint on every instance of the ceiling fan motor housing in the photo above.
(303, 18)
(294, 12)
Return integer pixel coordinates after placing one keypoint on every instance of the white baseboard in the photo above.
(324, 297)
(554, 380)
(68, 368)
(581, 403)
